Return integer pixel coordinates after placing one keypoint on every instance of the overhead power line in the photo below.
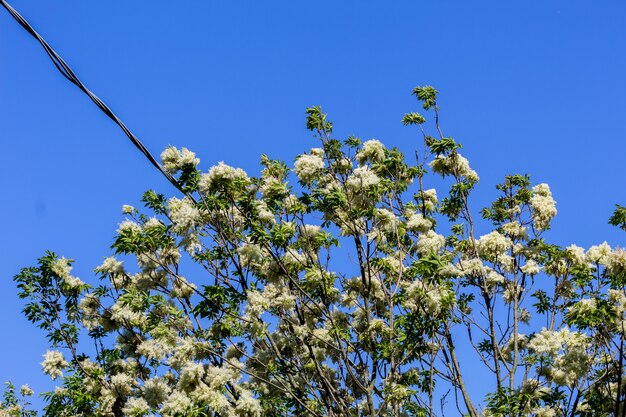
(67, 72)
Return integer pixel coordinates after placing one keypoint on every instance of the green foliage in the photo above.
(337, 296)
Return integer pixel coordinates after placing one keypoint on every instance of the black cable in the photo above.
(67, 72)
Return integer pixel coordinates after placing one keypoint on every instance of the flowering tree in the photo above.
(357, 292)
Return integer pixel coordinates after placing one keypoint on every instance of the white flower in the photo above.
(174, 160)
(247, 405)
(62, 268)
(153, 349)
(543, 206)
(515, 230)
(220, 175)
(430, 242)
(308, 167)
(250, 254)
(546, 412)
(135, 407)
(111, 266)
(177, 403)
(387, 220)
(599, 254)
(26, 391)
(531, 267)
(372, 150)
(493, 246)
(128, 226)
(54, 363)
(362, 179)
(617, 261)
(577, 255)
(418, 223)
(126, 209)
(473, 267)
(183, 213)
(453, 164)
(155, 391)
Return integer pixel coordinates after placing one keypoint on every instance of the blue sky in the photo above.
(535, 87)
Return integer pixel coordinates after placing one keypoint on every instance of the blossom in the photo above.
(220, 175)
(430, 242)
(155, 391)
(111, 266)
(247, 405)
(599, 254)
(427, 199)
(54, 363)
(387, 220)
(177, 403)
(62, 268)
(26, 391)
(126, 209)
(617, 261)
(308, 167)
(174, 160)
(577, 255)
(531, 267)
(515, 230)
(184, 214)
(568, 351)
(493, 246)
(128, 226)
(250, 254)
(135, 407)
(453, 164)
(543, 206)
(362, 179)
(373, 150)
(418, 223)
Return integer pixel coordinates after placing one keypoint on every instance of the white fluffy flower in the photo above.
(26, 391)
(174, 160)
(220, 175)
(362, 179)
(531, 267)
(543, 205)
(617, 261)
(418, 223)
(373, 150)
(577, 255)
(155, 391)
(135, 407)
(599, 254)
(493, 246)
(184, 213)
(515, 230)
(54, 363)
(430, 242)
(111, 266)
(453, 164)
(308, 167)
(247, 405)
(128, 226)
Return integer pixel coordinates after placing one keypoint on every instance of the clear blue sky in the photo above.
(533, 86)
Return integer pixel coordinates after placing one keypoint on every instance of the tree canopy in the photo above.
(345, 285)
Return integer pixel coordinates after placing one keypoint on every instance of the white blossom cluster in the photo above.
(308, 167)
(568, 354)
(54, 363)
(454, 164)
(543, 206)
(372, 151)
(219, 176)
(174, 160)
